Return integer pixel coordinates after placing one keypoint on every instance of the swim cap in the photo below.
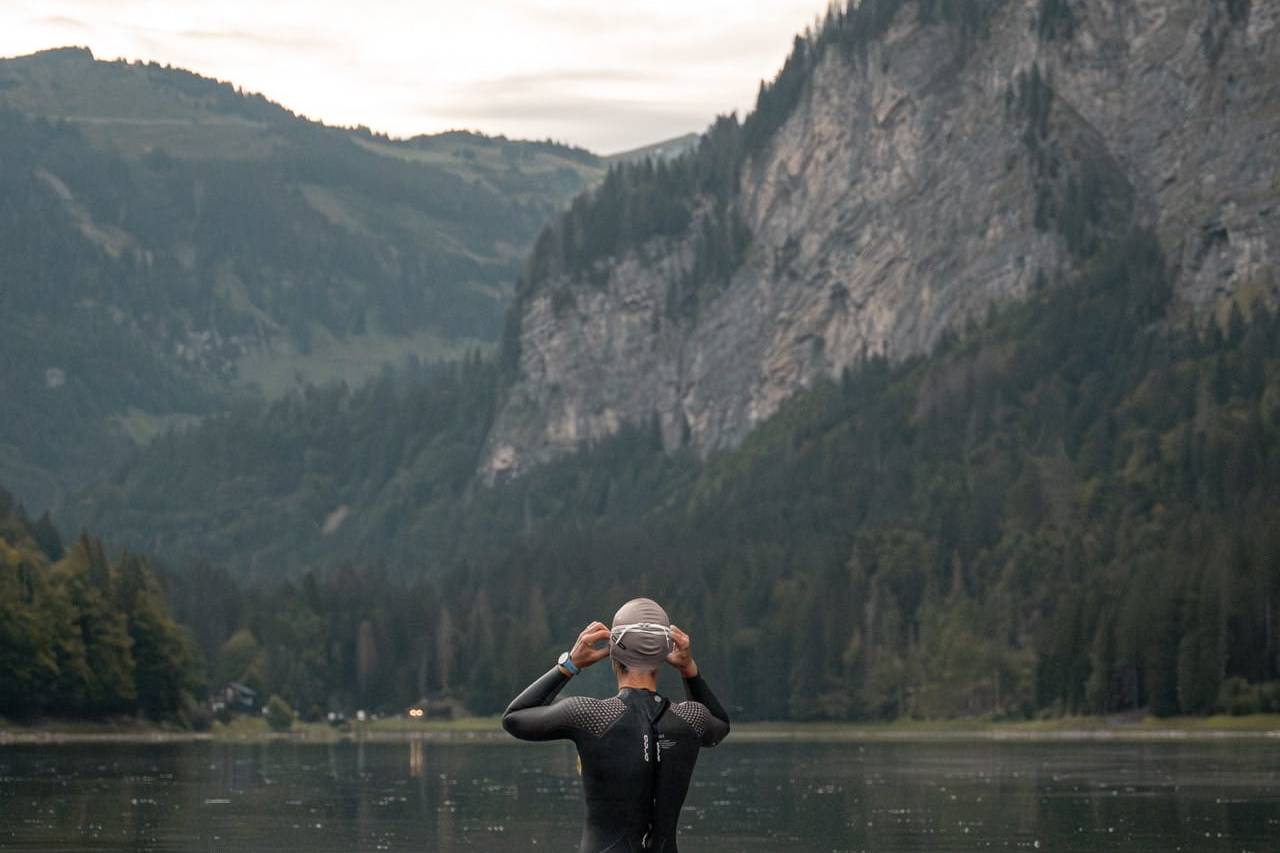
(641, 635)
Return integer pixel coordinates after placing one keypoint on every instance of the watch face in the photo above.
(564, 656)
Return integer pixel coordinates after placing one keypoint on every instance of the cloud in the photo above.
(585, 111)
(89, 7)
(63, 22)
(606, 19)
(518, 90)
(605, 75)
(562, 76)
(610, 108)
(604, 123)
(247, 37)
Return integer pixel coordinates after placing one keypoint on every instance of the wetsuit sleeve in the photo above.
(534, 716)
(718, 725)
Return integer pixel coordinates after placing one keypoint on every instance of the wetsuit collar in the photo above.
(649, 703)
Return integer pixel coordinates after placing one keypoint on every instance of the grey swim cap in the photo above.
(641, 635)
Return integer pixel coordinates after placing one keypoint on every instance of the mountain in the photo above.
(173, 243)
(913, 165)
(1068, 508)
(872, 206)
(916, 477)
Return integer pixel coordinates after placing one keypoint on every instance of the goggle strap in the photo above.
(617, 632)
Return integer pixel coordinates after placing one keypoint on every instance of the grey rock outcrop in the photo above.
(903, 197)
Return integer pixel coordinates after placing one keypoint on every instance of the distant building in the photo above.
(435, 709)
(234, 697)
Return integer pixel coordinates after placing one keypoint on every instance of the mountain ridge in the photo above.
(177, 244)
(910, 167)
(1058, 500)
(1064, 509)
(213, 93)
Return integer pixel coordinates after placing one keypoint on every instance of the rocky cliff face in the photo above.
(912, 187)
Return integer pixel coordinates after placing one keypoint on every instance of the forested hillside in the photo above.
(1064, 503)
(321, 475)
(172, 244)
(1068, 508)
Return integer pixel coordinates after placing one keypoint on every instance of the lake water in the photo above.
(757, 796)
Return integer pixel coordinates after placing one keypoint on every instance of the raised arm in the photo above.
(534, 714)
(718, 725)
(696, 689)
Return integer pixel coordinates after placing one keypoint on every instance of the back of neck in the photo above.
(639, 680)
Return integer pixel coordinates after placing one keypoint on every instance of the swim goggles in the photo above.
(653, 629)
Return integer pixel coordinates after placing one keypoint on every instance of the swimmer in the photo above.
(637, 749)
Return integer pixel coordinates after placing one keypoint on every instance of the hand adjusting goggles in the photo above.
(641, 635)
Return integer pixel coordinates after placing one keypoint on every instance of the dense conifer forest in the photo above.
(1066, 509)
(84, 635)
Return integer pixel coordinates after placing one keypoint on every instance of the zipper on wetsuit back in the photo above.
(656, 737)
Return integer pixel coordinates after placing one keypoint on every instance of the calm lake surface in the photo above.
(499, 796)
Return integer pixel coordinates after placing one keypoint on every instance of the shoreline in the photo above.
(1066, 730)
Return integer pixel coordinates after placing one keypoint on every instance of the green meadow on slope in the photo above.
(173, 244)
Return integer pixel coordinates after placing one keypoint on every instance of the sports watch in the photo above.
(567, 662)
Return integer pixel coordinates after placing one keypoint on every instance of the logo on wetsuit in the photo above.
(660, 743)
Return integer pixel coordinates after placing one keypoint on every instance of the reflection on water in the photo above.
(416, 761)
(497, 795)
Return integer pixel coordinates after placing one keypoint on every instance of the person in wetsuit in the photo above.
(638, 748)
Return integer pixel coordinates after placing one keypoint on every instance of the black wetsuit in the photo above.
(637, 749)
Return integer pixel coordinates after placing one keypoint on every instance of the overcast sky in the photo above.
(605, 74)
